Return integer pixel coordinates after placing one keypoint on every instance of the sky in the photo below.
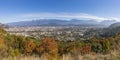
(24, 10)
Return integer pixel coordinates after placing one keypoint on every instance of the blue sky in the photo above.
(20, 10)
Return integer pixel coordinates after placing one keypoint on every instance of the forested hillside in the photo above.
(13, 47)
(103, 32)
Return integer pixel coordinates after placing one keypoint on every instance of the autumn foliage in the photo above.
(12, 45)
(29, 47)
(48, 48)
(86, 49)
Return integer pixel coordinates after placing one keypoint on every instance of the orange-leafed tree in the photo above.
(29, 47)
(3, 48)
(49, 48)
(86, 49)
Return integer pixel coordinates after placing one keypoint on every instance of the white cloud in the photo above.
(62, 16)
(68, 16)
(114, 18)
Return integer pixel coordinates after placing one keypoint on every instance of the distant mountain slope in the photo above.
(105, 32)
(115, 25)
(108, 22)
(58, 22)
(3, 25)
(2, 31)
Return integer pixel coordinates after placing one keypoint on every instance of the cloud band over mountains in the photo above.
(62, 16)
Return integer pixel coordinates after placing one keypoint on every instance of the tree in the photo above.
(106, 45)
(3, 49)
(96, 47)
(49, 48)
(29, 47)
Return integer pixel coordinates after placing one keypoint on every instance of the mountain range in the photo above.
(58, 22)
